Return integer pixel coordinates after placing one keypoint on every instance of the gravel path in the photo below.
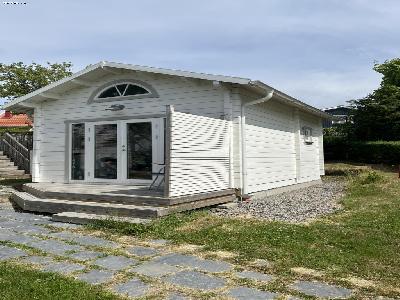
(295, 206)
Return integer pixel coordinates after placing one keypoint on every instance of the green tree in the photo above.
(18, 79)
(377, 116)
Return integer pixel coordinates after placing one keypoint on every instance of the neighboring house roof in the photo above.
(46, 92)
(7, 119)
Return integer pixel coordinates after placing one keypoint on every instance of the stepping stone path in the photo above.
(195, 280)
(96, 276)
(153, 269)
(321, 290)
(67, 250)
(142, 251)
(254, 276)
(115, 263)
(244, 293)
(63, 268)
(9, 253)
(194, 262)
(132, 288)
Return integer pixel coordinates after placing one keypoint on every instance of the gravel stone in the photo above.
(294, 206)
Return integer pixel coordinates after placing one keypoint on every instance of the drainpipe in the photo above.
(243, 129)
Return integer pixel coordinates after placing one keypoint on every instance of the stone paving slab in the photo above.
(191, 261)
(10, 253)
(142, 251)
(245, 293)
(54, 247)
(85, 255)
(63, 268)
(176, 296)
(132, 288)
(153, 269)
(115, 263)
(195, 280)
(38, 260)
(85, 240)
(321, 290)
(254, 276)
(96, 276)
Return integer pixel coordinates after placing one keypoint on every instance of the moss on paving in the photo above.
(362, 240)
(21, 283)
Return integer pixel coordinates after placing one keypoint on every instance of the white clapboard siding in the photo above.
(310, 164)
(198, 97)
(270, 153)
(199, 154)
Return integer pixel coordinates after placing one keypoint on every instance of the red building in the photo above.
(7, 119)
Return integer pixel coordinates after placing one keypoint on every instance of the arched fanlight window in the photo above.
(122, 90)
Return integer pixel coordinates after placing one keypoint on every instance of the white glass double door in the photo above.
(125, 151)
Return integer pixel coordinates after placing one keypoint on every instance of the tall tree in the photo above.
(18, 79)
(377, 116)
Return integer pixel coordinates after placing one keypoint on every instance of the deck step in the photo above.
(84, 218)
(93, 193)
(31, 203)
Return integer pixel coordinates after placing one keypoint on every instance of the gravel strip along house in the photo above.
(127, 140)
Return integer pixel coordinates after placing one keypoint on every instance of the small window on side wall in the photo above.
(307, 134)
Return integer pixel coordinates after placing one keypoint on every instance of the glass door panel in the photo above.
(139, 150)
(78, 152)
(106, 151)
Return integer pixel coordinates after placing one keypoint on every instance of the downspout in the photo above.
(243, 130)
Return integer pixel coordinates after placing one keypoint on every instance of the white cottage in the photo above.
(155, 141)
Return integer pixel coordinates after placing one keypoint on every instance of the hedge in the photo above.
(338, 148)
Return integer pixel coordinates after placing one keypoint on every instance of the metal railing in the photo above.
(17, 151)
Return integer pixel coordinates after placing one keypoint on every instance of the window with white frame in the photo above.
(307, 135)
(124, 89)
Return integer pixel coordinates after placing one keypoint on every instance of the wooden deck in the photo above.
(113, 200)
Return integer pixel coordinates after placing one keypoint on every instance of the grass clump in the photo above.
(21, 283)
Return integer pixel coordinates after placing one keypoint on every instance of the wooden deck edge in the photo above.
(108, 198)
(198, 204)
(201, 196)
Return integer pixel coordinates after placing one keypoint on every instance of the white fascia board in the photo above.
(211, 77)
(50, 86)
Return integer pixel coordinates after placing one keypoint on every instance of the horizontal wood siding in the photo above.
(310, 168)
(199, 154)
(270, 152)
(197, 97)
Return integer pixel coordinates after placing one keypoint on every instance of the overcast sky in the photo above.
(319, 51)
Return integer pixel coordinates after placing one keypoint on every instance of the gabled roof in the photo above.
(44, 91)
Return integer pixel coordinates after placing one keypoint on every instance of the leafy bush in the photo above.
(337, 148)
(370, 177)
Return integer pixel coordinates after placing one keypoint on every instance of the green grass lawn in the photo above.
(362, 240)
(19, 283)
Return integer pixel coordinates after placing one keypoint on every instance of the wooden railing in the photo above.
(17, 150)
